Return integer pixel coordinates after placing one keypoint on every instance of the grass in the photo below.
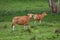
(16, 8)
(11, 8)
(43, 31)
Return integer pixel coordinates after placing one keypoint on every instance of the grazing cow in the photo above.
(21, 20)
(39, 17)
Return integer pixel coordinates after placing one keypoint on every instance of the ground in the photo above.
(43, 31)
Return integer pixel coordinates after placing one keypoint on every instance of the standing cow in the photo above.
(21, 20)
(39, 17)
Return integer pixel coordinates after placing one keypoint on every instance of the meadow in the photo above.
(43, 31)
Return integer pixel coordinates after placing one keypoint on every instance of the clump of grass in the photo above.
(33, 38)
(28, 30)
(5, 26)
(33, 27)
(57, 31)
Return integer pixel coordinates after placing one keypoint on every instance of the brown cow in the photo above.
(39, 17)
(21, 20)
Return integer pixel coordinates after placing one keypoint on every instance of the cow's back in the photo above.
(23, 20)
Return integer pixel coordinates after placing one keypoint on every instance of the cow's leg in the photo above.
(40, 21)
(34, 22)
(13, 26)
(25, 27)
(14, 21)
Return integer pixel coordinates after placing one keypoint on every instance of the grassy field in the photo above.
(11, 8)
(43, 31)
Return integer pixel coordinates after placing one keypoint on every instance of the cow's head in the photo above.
(30, 15)
(44, 13)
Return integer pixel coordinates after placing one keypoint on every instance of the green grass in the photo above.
(43, 31)
(9, 9)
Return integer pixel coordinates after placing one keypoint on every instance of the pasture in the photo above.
(43, 31)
